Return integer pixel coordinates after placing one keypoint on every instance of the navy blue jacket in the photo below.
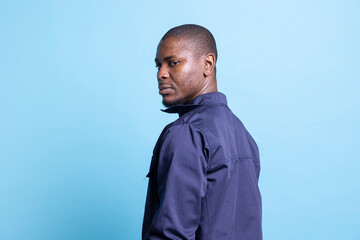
(203, 178)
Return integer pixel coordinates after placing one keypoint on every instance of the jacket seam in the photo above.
(182, 122)
(239, 157)
(206, 139)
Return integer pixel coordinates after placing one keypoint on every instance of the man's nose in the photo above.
(162, 73)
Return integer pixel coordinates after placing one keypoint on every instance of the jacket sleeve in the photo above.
(181, 180)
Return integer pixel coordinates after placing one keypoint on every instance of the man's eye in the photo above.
(157, 66)
(173, 63)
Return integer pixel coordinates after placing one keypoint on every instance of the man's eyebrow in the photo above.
(165, 59)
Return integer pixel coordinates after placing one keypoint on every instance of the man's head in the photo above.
(186, 58)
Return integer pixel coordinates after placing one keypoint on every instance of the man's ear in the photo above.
(210, 62)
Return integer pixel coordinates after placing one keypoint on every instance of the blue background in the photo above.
(80, 111)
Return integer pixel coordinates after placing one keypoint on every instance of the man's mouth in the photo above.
(165, 89)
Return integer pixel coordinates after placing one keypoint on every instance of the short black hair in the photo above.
(200, 37)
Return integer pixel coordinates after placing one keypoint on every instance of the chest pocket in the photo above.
(152, 170)
(153, 180)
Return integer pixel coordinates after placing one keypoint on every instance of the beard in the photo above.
(173, 102)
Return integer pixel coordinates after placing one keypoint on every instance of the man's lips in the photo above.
(165, 89)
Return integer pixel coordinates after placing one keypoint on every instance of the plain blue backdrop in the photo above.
(80, 114)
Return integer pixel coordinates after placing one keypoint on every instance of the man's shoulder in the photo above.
(180, 125)
(180, 135)
(203, 119)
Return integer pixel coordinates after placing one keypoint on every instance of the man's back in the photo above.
(203, 176)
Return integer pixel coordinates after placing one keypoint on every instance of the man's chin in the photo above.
(172, 102)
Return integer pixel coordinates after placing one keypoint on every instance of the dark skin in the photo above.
(183, 73)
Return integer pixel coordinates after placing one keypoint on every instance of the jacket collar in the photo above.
(208, 99)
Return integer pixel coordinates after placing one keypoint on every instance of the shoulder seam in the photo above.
(206, 139)
(200, 130)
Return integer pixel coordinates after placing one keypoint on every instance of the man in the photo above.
(203, 178)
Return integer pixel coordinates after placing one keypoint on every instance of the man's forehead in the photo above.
(173, 46)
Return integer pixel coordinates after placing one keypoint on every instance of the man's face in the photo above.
(180, 71)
